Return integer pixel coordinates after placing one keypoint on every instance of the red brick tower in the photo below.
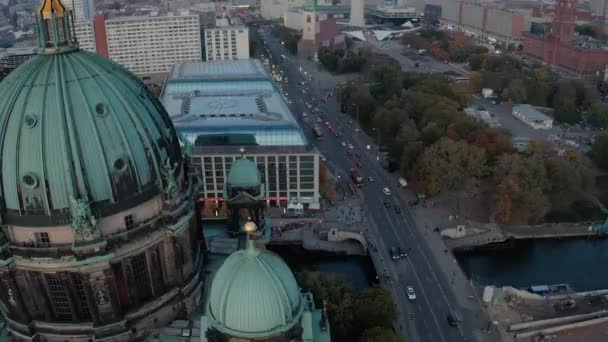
(563, 21)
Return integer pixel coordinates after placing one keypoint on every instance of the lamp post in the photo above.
(377, 131)
(357, 127)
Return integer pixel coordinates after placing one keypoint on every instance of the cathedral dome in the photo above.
(75, 124)
(254, 295)
(243, 174)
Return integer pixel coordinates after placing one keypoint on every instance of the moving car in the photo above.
(402, 252)
(452, 321)
(351, 146)
(386, 191)
(370, 179)
(387, 205)
(394, 253)
(397, 210)
(359, 164)
(343, 144)
(349, 152)
(323, 158)
(411, 295)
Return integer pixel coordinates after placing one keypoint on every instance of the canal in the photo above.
(580, 263)
(357, 271)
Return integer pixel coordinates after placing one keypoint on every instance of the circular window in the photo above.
(101, 109)
(30, 180)
(31, 120)
(120, 164)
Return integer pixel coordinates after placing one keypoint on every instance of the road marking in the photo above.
(417, 278)
(411, 226)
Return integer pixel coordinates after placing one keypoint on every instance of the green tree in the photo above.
(448, 164)
(572, 180)
(564, 103)
(599, 151)
(328, 59)
(378, 334)
(476, 61)
(375, 307)
(516, 91)
(599, 115)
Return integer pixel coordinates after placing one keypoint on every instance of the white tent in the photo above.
(408, 24)
(356, 34)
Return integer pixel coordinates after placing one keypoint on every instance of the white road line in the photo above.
(411, 228)
(417, 278)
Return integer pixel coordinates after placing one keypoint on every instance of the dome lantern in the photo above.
(55, 25)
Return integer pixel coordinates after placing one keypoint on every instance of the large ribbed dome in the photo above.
(76, 124)
(254, 295)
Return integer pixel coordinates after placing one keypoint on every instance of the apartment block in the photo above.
(227, 40)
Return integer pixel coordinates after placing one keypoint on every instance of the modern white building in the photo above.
(532, 117)
(83, 9)
(222, 107)
(85, 35)
(151, 45)
(228, 39)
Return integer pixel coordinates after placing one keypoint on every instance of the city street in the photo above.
(440, 287)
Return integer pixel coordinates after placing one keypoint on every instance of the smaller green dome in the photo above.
(254, 295)
(243, 173)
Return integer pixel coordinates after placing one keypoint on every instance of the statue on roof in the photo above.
(171, 189)
(83, 221)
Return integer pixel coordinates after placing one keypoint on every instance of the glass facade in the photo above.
(291, 178)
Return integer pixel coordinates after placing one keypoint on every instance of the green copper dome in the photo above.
(75, 124)
(243, 173)
(254, 295)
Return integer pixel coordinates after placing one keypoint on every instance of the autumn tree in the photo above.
(448, 163)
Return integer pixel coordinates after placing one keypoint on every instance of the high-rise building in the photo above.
(228, 39)
(100, 231)
(149, 45)
(599, 7)
(83, 10)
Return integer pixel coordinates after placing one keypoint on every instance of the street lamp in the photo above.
(377, 131)
(357, 129)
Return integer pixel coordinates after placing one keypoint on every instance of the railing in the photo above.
(42, 252)
(121, 238)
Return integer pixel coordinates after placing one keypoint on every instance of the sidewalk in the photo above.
(466, 295)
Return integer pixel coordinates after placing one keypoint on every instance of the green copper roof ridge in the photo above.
(100, 147)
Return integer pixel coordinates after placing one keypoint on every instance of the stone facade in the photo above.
(136, 276)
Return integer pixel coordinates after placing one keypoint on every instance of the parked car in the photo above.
(386, 204)
(411, 295)
(370, 179)
(343, 144)
(359, 164)
(397, 210)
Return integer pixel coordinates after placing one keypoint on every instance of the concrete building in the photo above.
(599, 8)
(562, 48)
(149, 45)
(486, 21)
(11, 58)
(84, 10)
(100, 230)
(532, 117)
(85, 34)
(223, 106)
(228, 39)
(357, 13)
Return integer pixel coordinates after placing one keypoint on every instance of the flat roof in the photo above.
(236, 97)
(530, 112)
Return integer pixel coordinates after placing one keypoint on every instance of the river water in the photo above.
(581, 263)
(357, 271)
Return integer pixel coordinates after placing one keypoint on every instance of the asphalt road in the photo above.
(424, 319)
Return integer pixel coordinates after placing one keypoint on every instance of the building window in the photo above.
(59, 297)
(83, 305)
(130, 221)
(140, 276)
(42, 239)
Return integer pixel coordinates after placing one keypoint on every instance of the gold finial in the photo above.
(50, 7)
